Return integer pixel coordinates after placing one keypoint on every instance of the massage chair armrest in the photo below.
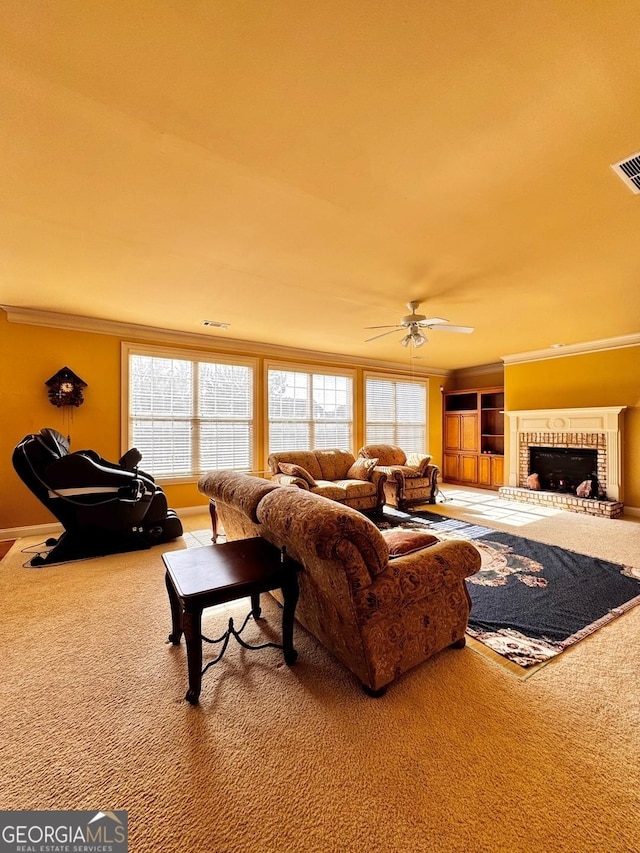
(128, 462)
(80, 471)
(135, 457)
(131, 459)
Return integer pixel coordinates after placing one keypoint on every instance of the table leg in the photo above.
(213, 512)
(176, 612)
(192, 623)
(256, 610)
(290, 593)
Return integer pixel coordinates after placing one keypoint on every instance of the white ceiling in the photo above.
(301, 169)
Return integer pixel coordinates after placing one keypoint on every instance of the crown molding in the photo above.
(479, 370)
(573, 349)
(76, 323)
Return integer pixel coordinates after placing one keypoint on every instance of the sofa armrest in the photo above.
(407, 485)
(288, 480)
(418, 575)
(432, 474)
(379, 478)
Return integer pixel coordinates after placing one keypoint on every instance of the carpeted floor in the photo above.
(457, 756)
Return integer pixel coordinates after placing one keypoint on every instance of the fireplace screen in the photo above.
(562, 469)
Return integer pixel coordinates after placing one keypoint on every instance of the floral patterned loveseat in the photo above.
(332, 473)
(378, 614)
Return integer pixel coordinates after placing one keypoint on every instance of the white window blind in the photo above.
(187, 414)
(396, 413)
(309, 411)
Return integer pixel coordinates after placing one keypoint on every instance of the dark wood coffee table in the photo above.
(214, 574)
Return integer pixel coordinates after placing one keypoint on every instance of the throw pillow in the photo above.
(403, 542)
(419, 461)
(292, 470)
(362, 469)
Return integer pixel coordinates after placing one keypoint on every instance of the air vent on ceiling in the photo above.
(629, 170)
(216, 324)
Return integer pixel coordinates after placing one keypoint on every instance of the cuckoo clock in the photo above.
(65, 388)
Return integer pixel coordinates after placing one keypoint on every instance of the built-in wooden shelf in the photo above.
(473, 433)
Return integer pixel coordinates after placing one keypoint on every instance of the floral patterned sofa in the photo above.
(380, 603)
(333, 473)
(409, 479)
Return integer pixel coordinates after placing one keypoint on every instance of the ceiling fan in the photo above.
(415, 323)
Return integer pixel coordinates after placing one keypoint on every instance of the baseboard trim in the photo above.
(192, 510)
(56, 529)
(45, 530)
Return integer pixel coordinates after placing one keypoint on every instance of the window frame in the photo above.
(308, 369)
(396, 378)
(197, 356)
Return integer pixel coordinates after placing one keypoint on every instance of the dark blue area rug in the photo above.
(531, 601)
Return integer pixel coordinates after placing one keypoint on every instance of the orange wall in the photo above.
(609, 378)
(30, 354)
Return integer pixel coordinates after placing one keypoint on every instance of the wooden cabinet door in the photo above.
(497, 470)
(468, 469)
(469, 432)
(484, 470)
(450, 466)
(461, 432)
(452, 432)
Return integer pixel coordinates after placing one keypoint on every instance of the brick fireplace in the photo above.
(598, 429)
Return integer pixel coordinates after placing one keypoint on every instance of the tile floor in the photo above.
(489, 505)
(197, 529)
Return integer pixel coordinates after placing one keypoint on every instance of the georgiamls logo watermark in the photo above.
(63, 832)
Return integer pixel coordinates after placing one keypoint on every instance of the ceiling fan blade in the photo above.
(464, 329)
(432, 321)
(383, 327)
(375, 337)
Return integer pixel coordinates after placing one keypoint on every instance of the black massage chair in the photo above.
(105, 508)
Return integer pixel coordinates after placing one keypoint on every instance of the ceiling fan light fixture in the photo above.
(413, 324)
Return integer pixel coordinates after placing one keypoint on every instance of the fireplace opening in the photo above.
(563, 469)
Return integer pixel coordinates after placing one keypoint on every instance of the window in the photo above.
(309, 410)
(188, 413)
(396, 413)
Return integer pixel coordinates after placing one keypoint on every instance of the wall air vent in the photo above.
(629, 170)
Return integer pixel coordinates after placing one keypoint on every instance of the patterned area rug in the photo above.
(531, 601)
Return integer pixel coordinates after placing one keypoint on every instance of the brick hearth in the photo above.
(556, 500)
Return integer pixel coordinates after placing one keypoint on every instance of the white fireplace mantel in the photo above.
(602, 419)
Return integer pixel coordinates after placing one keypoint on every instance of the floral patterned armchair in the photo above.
(410, 479)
